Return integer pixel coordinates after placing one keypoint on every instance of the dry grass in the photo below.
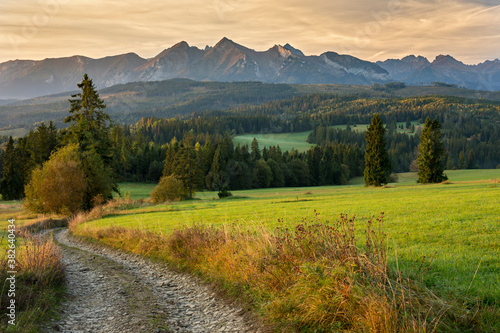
(115, 206)
(312, 278)
(39, 280)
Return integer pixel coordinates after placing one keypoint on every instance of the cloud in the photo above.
(372, 30)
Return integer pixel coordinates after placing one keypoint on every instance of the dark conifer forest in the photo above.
(150, 148)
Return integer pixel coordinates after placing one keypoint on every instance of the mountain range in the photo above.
(228, 61)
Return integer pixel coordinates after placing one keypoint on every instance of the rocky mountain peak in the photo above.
(280, 51)
(293, 50)
(415, 59)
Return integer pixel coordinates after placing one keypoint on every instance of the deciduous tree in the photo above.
(169, 189)
(59, 186)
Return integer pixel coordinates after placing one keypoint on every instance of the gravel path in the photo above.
(111, 291)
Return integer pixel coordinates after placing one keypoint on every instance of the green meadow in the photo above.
(286, 141)
(298, 141)
(451, 229)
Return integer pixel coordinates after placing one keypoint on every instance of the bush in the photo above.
(59, 186)
(169, 189)
(224, 193)
(393, 178)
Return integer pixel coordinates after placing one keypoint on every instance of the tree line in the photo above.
(218, 164)
(198, 149)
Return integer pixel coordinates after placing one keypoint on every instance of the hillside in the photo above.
(128, 103)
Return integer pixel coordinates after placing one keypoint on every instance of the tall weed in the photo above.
(39, 281)
(314, 277)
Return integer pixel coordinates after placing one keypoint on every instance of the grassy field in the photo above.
(14, 132)
(136, 191)
(286, 141)
(289, 141)
(364, 127)
(454, 228)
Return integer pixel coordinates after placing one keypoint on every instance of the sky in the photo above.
(371, 30)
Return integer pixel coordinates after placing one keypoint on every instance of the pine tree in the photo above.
(90, 125)
(188, 169)
(90, 129)
(11, 186)
(431, 154)
(255, 151)
(171, 158)
(377, 163)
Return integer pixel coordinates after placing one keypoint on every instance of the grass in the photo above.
(286, 141)
(298, 141)
(452, 229)
(14, 132)
(364, 127)
(39, 278)
(311, 278)
(136, 191)
(39, 282)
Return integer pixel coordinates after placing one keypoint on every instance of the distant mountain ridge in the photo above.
(228, 61)
(418, 70)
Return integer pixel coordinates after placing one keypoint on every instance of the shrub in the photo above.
(59, 186)
(170, 188)
(224, 193)
(393, 178)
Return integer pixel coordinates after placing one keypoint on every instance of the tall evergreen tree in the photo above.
(11, 186)
(90, 125)
(377, 164)
(171, 158)
(255, 151)
(431, 154)
(188, 168)
(90, 128)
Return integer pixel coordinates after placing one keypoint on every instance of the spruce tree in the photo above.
(90, 129)
(11, 186)
(377, 164)
(171, 158)
(90, 125)
(255, 151)
(431, 154)
(188, 169)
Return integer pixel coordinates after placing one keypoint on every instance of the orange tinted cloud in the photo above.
(373, 30)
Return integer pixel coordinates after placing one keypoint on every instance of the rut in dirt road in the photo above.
(111, 291)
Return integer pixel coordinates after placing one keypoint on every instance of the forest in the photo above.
(153, 147)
